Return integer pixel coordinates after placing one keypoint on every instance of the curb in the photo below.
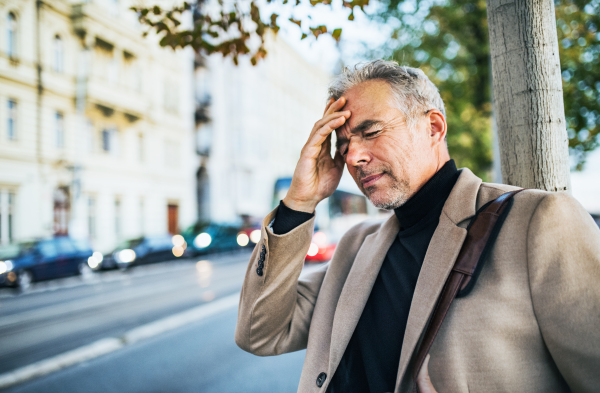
(111, 344)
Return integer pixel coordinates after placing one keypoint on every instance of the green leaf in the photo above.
(336, 34)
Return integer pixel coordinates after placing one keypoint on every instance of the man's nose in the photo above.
(358, 154)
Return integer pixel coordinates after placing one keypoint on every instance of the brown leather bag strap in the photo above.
(481, 234)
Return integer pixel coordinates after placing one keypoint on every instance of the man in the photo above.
(532, 320)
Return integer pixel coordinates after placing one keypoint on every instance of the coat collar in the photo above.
(441, 254)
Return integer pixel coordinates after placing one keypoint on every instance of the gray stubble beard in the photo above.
(396, 195)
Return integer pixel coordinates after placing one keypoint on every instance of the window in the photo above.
(59, 125)
(11, 35)
(106, 140)
(48, 249)
(62, 209)
(11, 208)
(110, 141)
(11, 126)
(7, 209)
(58, 54)
(92, 217)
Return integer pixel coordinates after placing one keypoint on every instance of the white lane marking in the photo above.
(110, 344)
(183, 318)
(58, 362)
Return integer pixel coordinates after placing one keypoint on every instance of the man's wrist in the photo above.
(307, 207)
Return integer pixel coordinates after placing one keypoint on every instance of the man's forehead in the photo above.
(371, 103)
(368, 100)
(367, 95)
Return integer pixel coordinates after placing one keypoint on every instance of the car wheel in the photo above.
(25, 279)
(84, 270)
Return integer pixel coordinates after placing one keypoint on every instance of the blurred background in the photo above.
(134, 177)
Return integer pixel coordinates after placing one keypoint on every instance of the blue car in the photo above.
(139, 251)
(44, 259)
(205, 237)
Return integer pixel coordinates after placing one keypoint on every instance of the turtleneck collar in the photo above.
(432, 195)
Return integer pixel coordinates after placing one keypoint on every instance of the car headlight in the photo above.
(202, 240)
(242, 239)
(95, 260)
(5, 266)
(255, 236)
(125, 256)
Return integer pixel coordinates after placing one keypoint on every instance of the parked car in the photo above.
(207, 237)
(138, 251)
(44, 259)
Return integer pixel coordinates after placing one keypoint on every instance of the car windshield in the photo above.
(197, 228)
(81, 245)
(130, 243)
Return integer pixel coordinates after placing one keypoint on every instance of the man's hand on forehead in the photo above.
(317, 173)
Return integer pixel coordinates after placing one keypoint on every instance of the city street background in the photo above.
(134, 177)
(55, 317)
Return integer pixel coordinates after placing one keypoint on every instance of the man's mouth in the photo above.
(370, 180)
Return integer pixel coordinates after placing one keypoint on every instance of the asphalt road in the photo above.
(61, 315)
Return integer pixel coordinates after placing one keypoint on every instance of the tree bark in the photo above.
(528, 96)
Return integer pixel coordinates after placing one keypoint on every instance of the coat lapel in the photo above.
(440, 257)
(357, 288)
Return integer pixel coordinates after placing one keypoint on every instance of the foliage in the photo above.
(449, 41)
(230, 28)
(578, 25)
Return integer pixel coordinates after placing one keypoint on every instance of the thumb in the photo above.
(423, 381)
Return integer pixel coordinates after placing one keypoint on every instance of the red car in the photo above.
(321, 248)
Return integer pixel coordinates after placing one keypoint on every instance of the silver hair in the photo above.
(414, 92)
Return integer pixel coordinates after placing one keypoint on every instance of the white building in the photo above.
(258, 120)
(100, 142)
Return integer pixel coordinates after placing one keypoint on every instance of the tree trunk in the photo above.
(528, 96)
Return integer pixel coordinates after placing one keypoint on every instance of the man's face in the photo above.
(388, 160)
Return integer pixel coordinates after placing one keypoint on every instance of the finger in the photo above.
(329, 102)
(327, 118)
(336, 106)
(314, 143)
(423, 381)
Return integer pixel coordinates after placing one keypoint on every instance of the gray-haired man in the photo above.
(531, 322)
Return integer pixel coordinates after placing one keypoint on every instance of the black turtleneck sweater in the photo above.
(370, 362)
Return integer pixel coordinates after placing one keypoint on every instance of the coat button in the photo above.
(259, 271)
(321, 379)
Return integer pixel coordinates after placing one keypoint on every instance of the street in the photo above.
(59, 316)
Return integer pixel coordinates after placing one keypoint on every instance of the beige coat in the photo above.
(531, 323)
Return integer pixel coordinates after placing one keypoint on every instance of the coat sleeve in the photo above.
(276, 304)
(563, 254)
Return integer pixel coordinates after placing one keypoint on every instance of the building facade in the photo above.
(251, 125)
(96, 125)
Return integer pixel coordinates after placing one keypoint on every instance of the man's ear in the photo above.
(437, 125)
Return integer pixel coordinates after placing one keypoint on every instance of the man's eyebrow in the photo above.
(362, 127)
